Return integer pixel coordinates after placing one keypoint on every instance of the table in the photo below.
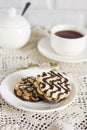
(73, 117)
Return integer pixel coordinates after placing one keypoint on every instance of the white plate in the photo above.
(7, 92)
(45, 49)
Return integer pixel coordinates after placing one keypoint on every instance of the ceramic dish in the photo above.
(7, 92)
(45, 49)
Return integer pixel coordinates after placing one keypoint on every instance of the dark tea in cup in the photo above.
(69, 34)
(68, 39)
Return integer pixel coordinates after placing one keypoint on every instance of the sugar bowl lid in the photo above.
(13, 20)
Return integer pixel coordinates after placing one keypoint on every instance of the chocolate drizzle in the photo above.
(26, 90)
(49, 86)
(53, 86)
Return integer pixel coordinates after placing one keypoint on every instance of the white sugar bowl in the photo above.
(15, 30)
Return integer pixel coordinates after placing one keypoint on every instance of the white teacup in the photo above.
(68, 46)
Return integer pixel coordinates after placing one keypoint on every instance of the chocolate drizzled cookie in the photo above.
(26, 90)
(52, 86)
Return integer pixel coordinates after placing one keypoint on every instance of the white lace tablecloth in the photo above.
(73, 117)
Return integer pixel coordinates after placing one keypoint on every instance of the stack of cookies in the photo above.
(50, 87)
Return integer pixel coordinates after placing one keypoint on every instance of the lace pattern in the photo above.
(73, 117)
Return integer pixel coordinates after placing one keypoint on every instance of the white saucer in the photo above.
(7, 92)
(45, 49)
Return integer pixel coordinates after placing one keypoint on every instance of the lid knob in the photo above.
(12, 12)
